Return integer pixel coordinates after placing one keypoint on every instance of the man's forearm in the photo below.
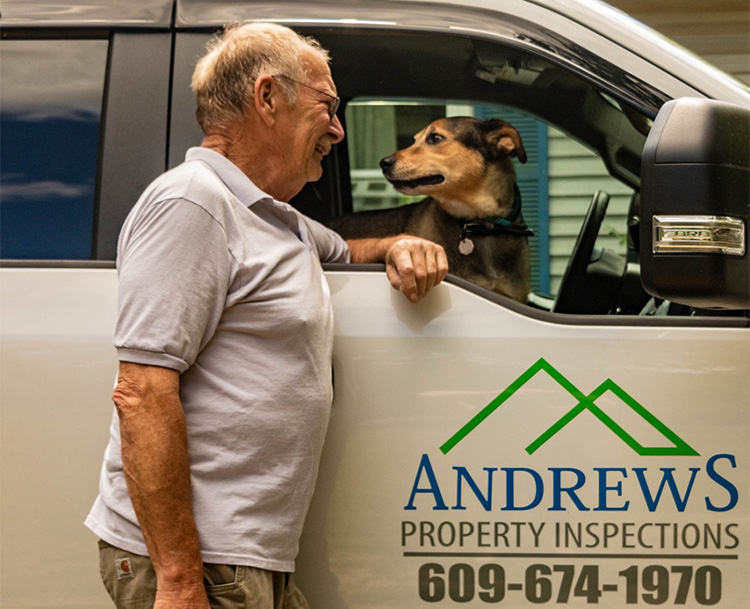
(157, 472)
(370, 249)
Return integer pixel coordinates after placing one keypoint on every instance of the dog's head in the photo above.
(462, 162)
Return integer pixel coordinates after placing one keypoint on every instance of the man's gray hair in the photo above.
(223, 79)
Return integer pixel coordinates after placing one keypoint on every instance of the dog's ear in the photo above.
(504, 138)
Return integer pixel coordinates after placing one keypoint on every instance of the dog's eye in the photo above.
(434, 138)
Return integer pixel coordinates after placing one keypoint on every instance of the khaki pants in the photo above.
(131, 582)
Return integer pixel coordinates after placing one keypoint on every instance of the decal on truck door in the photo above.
(620, 511)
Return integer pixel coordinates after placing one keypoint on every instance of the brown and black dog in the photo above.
(473, 207)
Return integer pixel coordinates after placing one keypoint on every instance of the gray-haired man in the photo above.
(224, 338)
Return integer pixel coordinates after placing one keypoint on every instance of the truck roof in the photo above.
(566, 18)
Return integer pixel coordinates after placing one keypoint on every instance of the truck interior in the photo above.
(461, 69)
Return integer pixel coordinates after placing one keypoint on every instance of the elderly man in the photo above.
(224, 338)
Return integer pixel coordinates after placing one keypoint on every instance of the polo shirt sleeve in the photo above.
(174, 271)
(331, 247)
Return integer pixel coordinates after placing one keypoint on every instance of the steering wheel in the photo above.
(572, 287)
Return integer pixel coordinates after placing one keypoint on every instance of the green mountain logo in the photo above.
(585, 402)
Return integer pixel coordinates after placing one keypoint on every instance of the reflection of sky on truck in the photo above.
(50, 106)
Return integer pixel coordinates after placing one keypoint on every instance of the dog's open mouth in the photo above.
(414, 184)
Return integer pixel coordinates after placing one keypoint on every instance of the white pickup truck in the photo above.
(589, 447)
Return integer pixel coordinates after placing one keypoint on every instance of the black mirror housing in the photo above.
(695, 205)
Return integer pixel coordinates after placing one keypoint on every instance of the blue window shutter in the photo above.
(533, 181)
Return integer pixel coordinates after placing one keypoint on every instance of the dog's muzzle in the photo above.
(387, 165)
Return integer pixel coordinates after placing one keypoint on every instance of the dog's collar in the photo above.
(496, 224)
(493, 225)
(514, 213)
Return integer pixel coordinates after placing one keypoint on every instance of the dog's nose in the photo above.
(387, 163)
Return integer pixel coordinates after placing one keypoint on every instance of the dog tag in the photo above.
(466, 246)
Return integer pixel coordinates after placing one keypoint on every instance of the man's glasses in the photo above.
(333, 105)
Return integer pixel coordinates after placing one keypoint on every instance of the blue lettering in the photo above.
(426, 467)
(525, 487)
(510, 488)
(604, 488)
(667, 478)
(558, 489)
(723, 482)
(463, 474)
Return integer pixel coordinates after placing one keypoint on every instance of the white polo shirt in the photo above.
(224, 284)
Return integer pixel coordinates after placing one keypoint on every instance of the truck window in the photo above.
(50, 111)
(556, 183)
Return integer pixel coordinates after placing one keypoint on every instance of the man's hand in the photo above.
(414, 265)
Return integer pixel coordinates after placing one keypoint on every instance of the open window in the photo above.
(583, 136)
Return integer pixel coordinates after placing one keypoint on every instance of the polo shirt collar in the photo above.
(243, 187)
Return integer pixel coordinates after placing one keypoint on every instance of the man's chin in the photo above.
(314, 172)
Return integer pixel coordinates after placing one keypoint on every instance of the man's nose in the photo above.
(336, 130)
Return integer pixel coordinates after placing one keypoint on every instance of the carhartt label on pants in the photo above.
(123, 568)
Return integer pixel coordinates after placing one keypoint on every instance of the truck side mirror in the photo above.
(695, 202)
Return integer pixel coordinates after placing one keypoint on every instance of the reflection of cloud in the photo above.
(43, 190)
(52, 78)
(59, 112)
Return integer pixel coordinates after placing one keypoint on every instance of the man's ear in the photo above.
(266, 97)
